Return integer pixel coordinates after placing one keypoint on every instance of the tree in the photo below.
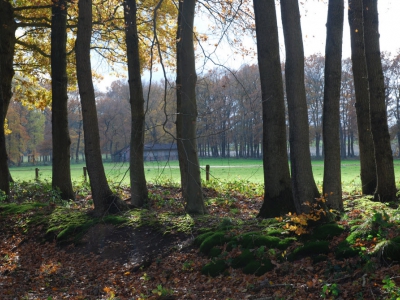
(7, 42)
(314, 68)
(187, 110)
(104, 200)
(61, 174)
(139, 193)
(278, 197)
(332, 188)
(4, 182)
(304, 187)
(360, 74)
(386, 186)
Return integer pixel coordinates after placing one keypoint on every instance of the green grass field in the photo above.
(220, 170)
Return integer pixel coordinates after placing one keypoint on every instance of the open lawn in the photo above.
(221, 170)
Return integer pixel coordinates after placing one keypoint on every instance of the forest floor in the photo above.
(56, 250)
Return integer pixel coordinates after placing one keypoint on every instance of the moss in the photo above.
(214, 268)
(201, 237)
(345, 252)
(285, 243)
(326, 231)
(352, 238)
(14, 208)
(275, 232)
(243, 259)
(231, 244)
(214, 252)
(225, 224)
(114, 219)
(216, 239)
(258, 267)
(311, 248)
(256, 239)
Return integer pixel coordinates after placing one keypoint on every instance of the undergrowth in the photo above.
(366, 236)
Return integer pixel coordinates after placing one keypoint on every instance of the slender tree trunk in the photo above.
(78, 143)
(361, 86)
(7, 43)
(139, 191)
(278, 197)
(317, 144)
(332, 188)
(104, 200)
(187, 110)
(61, 174)
(386, 187)
(304, 187)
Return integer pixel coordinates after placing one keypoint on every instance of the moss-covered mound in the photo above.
(216, 239)
(257, 267)
(214, 268)
(309, 249)
(326, 231)
(243, 259)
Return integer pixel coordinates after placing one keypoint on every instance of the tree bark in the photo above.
(386, 187)
(278, 197)
(304, 187)
(4, 182)
(61, 171)
(360, 74)
(104, 200)
(332, 189)
(187, 110)
(137, 177)
(7, 43)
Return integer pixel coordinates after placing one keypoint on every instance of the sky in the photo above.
(313, 20)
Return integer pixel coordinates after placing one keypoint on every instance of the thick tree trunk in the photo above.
(7, 43)
(4, 182)
(139, 193)
(61, 174)
(278, 197)
(304, 187)
(187, 110)
(360, 74)
(332, 189)
(104, 200)
(386, 187)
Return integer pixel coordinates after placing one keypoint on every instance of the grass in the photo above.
(221, 170)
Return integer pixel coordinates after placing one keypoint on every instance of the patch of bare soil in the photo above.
(134, 246)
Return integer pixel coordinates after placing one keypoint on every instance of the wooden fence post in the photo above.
(84, 174)
(207, 172)
(36, 174)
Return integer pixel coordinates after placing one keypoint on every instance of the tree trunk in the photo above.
(104, 200)
(304, 187)
(7, 43)
(4, 182)
(187, 110)
(78, 143)
(332, 188)
(317, 144)
(61, 174)
(278, 197)
(139, 193)
(360, 74)
(386, 187)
